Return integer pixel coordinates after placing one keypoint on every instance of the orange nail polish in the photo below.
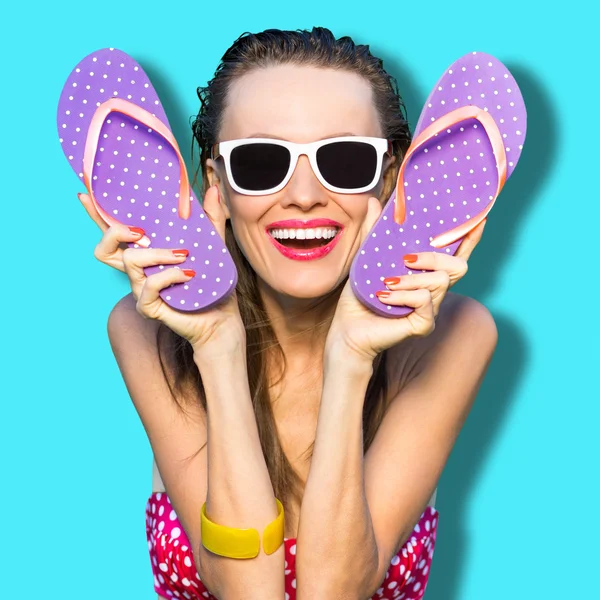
(410, 257)
(189, 272)
(382, 294)
(180, 253)
(137, 230)
(391, 280)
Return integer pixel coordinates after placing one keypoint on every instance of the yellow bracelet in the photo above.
(241, 543)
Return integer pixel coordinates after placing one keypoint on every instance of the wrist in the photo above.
(224, 374)
(340, 355)
(227, 345)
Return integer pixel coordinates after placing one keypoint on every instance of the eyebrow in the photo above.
(276, 137)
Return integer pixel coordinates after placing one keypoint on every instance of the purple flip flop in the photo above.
(116, 137)
(466, 144)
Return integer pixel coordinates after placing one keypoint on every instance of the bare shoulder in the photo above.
(135, 344)
(463, 324)
(125, 324)
(459, 312)
(177, 436)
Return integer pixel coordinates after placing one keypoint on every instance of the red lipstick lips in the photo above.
(304, 253)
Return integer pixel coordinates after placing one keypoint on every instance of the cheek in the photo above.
(245, 210)
(355, 206)
(245, 213)
(240, 210)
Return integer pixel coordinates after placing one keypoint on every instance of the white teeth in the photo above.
(304, 234)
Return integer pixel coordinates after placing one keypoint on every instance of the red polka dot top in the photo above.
(175, 575)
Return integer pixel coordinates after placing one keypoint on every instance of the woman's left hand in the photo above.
(360, 330)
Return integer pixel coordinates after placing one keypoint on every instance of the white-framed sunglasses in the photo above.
(261, 166)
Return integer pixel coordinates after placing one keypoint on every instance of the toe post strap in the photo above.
(438, 126)
(147, 119)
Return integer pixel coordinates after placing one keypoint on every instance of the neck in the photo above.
(300, 324)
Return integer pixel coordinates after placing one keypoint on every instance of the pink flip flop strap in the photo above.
(438, 126)
(149, 120)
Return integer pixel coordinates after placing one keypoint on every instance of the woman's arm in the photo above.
(336, 549)
(230, 473)
(356, 513)
(240, 493)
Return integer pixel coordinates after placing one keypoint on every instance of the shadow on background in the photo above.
(469, 457)
(412, 97)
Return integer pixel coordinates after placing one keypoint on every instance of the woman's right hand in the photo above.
(222, 324)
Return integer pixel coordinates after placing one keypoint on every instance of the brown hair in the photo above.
(319, 48)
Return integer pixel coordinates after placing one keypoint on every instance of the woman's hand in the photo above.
(357, 328)
(221, 324)
(114, 241)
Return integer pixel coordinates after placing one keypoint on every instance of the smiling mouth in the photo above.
(304, 239)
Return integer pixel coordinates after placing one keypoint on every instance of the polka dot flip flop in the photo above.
(466, 144)
(116, 136)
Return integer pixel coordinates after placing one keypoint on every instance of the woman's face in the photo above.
(297, 104)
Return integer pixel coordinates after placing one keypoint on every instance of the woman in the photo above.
(291, 389)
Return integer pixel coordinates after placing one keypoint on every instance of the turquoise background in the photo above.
(517, 498)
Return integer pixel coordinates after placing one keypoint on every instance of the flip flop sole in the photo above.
(136, 175)
(450, 179)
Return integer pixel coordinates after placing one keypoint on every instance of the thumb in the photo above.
(374, 209)
(91, 211)
(214, 210)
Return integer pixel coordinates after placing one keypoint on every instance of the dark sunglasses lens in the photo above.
(257, 167)
(348, 165)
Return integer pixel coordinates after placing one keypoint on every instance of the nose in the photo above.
(304, 189)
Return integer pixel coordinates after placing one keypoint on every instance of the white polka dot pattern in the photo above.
(450, 179)
(175, 574)
(136, 176)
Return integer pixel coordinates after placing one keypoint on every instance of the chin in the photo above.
(305, 288)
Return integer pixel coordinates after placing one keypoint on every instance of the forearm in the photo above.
(240, 493)
(336, 548)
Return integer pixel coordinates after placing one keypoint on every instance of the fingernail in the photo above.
(382, 294)
(79, 195)
(181, 252)
(137, 230)
(410, 257)
(391, 280)
(189, 272)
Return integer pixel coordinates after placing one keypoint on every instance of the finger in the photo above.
(422, 319)
(214, 210)
(470, 241)
(437, 282)
(109, 250)
(149, 303)
(91, 211)
(455, 266)
(135, 260)
(433, 281)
